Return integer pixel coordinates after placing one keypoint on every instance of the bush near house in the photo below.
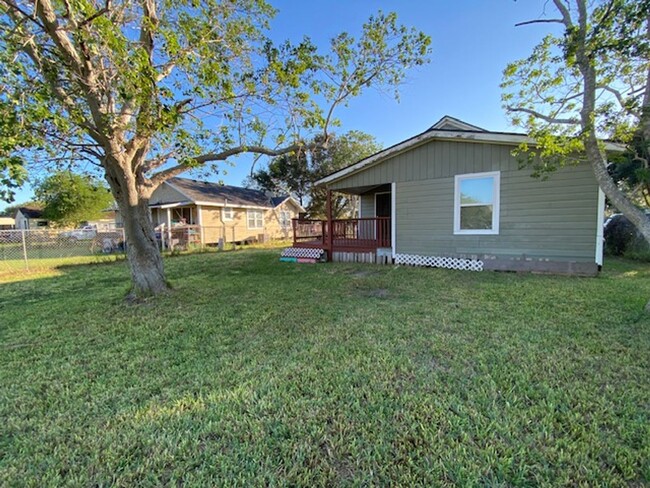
(623, 239)
(254, 372)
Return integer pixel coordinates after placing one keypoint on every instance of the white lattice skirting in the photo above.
(301, 252)
(439, 262)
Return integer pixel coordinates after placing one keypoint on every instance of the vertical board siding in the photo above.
(554, 219)
(367, 205)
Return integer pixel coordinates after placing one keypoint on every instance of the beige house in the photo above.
(7, 223)
(30, 218)
(231, 213)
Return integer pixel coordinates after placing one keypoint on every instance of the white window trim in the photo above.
(248, 220)
(223, 214)
(495, 204)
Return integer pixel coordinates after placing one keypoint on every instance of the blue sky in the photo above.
(472, 41)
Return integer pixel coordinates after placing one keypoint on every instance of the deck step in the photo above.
(302, 255)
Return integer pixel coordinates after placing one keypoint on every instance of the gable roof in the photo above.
(452, 123)
(206, 192)
(31, 212)
(446, 129)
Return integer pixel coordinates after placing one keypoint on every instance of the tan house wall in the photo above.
(237, 230)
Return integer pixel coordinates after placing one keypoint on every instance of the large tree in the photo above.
(69, 198)
(296, 173)
(589, 81)
(149, 89)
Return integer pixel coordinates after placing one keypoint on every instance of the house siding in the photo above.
(367, 204)
(236, 230)
(555, 219)
(166, 194)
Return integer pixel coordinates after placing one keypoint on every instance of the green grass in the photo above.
(254, 372)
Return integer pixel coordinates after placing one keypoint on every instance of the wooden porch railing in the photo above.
(363, 234)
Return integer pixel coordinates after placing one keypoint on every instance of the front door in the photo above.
(383, 209)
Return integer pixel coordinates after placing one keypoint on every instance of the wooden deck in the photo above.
(349, 235)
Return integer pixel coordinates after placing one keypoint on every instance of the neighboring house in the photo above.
(30, 218)
(454, 196)
(231, 213)
(106, 222)
(7, 223)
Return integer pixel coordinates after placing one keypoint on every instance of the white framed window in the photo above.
(227, 213)
(285, 219)
(476, 203)
(255, 219)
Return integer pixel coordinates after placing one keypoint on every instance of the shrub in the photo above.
(623, 239)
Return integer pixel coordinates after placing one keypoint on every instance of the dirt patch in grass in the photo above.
(378, 293)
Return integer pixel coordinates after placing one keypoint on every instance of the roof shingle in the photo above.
(205, 191)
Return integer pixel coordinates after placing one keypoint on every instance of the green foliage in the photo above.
(544, 93)
(631, 169)
(71, 198)
(12, 139)
(207, 79)
(296, 173)
(394, 376)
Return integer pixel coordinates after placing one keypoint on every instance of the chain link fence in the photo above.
(46, 248)
(39, 249)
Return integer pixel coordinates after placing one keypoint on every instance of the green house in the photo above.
(454, 196)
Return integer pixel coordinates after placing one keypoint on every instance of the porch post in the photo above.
(199, 221)
(169, 229)
(393, 223)
(330, 227)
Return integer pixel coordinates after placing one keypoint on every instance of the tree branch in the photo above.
(166, 174)
(619, 98)
(547, 118)
(97, 14)
(23, 13)
(564, 11)
(540, 21)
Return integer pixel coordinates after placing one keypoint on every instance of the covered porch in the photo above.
(364, 238)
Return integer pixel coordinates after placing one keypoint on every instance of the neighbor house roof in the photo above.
(7, 221)
(206, 192)
(446, 129)
(31, 212)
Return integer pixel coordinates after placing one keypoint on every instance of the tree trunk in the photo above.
(132, 196)
(595, 155)
(145, 261)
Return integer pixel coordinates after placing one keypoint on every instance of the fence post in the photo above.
(25, 250)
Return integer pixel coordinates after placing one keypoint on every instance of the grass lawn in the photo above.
(254, 372)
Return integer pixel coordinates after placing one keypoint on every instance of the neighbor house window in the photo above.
(285, 219)
(255, 219)
(476, 203)
(227, 213)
